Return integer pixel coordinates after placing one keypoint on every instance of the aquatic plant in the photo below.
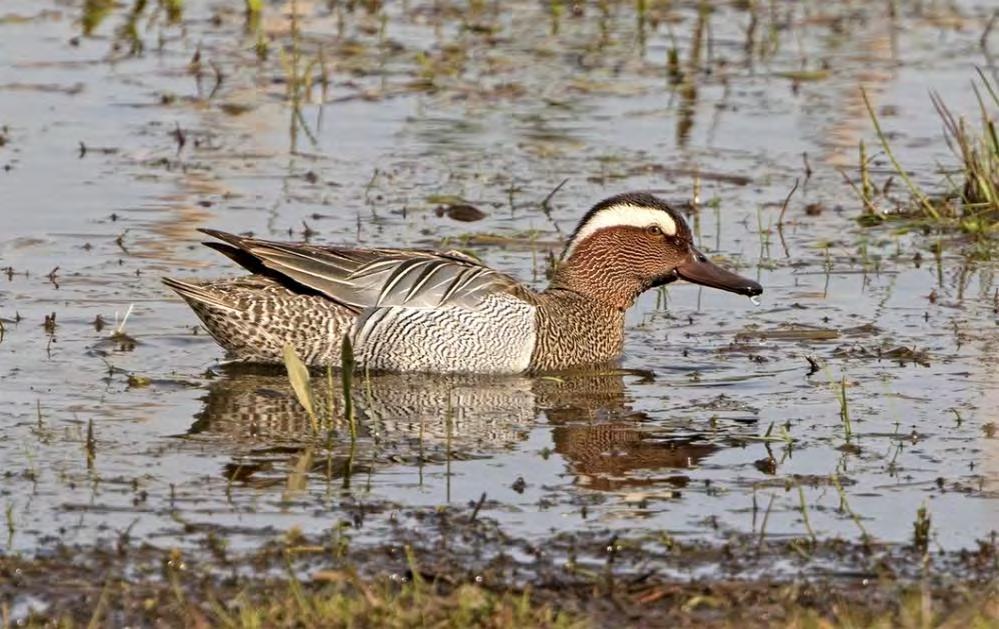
(298, 376)
(94, 12)
(844, 411)
(978, 150)
(301, 384)
(921, 530)
(971, 199)
(253, 8)
(347, 366)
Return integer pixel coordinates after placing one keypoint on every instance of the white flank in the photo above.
(624, 214)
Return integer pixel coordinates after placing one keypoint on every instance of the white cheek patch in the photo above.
(623, 215)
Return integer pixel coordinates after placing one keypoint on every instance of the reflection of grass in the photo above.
(804, 515)
(301, 383)
(253, 9)
(129, 31)
(844, 506)
(94, 12)
(174, 9)
(11, 526)
(299, 71)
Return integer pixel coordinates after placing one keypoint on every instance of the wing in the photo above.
(369, 278)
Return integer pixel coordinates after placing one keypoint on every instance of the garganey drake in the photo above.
(426, 311)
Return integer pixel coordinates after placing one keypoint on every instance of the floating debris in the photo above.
(460, 212)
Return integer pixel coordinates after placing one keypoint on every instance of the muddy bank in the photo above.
(798, 444)
(460, 569)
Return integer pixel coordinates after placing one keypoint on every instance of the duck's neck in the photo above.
(581, 315)
(574, 330)
(599, 275)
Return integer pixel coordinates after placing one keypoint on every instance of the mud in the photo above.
(860, 390)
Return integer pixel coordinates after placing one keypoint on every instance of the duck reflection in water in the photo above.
(409, 419)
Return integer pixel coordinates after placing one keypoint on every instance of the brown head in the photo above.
(632, 242)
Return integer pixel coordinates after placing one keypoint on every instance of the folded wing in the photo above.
(368, 278)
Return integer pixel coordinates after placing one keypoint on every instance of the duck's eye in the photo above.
(654, 230)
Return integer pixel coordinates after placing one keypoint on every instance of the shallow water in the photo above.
(519, 102)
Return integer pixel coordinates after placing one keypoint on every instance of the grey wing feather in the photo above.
(364, 278)
(435, 282)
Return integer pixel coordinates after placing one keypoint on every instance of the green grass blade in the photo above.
(347, 364)
(913, 188)
(298, 375)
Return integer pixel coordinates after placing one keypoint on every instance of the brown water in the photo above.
(431, 100)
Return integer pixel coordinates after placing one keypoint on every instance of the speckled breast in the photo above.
(496, 336)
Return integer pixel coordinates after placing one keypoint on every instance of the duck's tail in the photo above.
(198, 296)
(254, 318)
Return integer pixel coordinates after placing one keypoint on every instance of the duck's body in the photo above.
(466, 318)
(414, 310)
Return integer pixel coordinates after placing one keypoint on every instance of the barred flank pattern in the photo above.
(254, 317)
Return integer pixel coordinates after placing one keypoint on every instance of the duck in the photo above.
(418, 310)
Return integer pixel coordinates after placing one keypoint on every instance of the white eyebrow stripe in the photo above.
(623, 214)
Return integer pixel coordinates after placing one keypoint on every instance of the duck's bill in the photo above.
(699, 270)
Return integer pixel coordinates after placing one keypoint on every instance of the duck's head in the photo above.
(632, 242)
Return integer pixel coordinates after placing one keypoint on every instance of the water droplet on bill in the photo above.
(756, 300)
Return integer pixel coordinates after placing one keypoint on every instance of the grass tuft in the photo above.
(978, 152)
(970, 199)
(921, 530)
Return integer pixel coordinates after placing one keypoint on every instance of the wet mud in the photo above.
(845, 426)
